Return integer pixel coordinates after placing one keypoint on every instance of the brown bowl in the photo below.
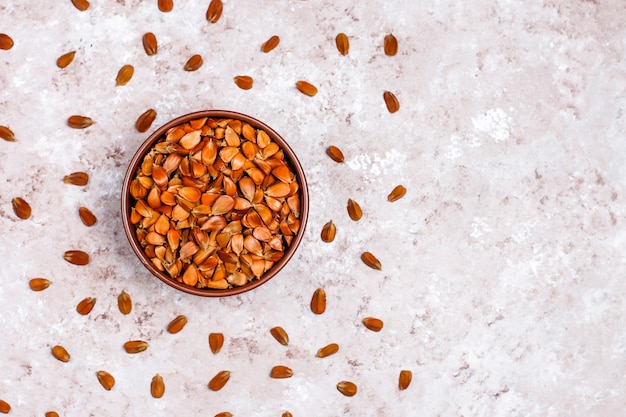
(127, 202)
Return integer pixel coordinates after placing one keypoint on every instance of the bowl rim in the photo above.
(126, 198)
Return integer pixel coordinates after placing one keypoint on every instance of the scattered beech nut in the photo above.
(390, 45)
(85, 306)
(60, 353)
(354, 210)
(280, 335)
(404, 380)
(76, 257)
(306, 88)
(106, 380)
(177, 324)
(144, 121)
(52, 414)
(166, 6)
(135, 346)
(21, 208)
(280, 372)
(5, 407)
(86, 216)
(150, 44)
(343, 44)
(65, 59)
(328, 232)
(373, 324)
(327, 350)
(157, 386)
(77, 178)
(124, 75)
(219, 380)
(124, 303)
(214, 12)
(270, 44)
(391, 101)
(318, 301)
(81, 5)
(7, 134)
(397, 193)
(370, 260)
(244, 82)
(194, 63)
(347, 388)
(216, 341)
(335, 154)
(79, 122)
(6, 42)
(39, 284)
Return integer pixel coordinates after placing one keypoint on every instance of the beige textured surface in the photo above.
(502, 286)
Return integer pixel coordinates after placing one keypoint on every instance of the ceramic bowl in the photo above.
(128, 202)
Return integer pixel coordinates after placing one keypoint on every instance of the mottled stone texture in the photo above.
(503, 271)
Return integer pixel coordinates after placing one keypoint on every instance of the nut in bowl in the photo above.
(214, 203)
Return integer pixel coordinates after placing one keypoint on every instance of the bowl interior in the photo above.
(127, 202)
